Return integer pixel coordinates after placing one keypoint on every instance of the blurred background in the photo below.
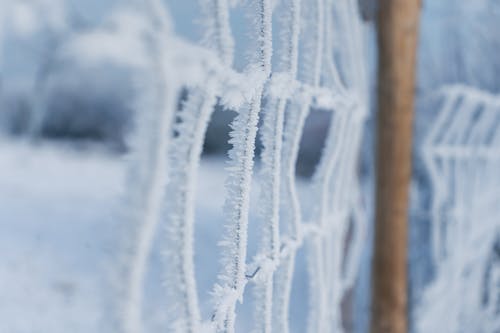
(68, 82)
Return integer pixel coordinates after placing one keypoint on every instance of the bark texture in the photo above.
(397, 22)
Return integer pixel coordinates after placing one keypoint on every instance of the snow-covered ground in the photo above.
(56, 220)
(59, 212)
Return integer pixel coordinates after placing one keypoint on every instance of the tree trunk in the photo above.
(397, 40)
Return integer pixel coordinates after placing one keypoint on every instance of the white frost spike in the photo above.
(272, 139)
(290, 38)
(272, 132)
(217, 29)
(314, 45)
(331, 75)
(208, 74)
(147, 181)
(342, 187)
(148, 171)
(333, 186)
(237, 207)
(292, 216)
(337, 133)
(185, 153)
(348, 200)
(244, 131)
(261, 15)
(313, 40)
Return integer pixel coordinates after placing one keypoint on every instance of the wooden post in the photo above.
(397, 23)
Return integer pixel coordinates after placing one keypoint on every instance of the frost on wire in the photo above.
(319, 65)
(462, 155)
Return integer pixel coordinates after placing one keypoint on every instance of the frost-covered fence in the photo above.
(319, 64)
(462, 153)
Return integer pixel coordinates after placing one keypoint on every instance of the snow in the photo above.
(56, 217)
(59, 212)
